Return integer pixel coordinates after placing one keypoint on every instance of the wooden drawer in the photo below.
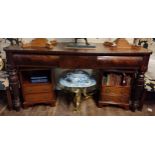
(116, 94)
(115, 98)
(116, 90)
(37, 88)
(39, 97)
(74, 62)
(36, 60)
(119, 61)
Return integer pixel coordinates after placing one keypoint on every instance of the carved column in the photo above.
(14, 82)
(132, 97)
(139, 91)
(139, 85)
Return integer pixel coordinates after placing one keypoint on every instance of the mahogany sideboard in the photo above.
(101, 58)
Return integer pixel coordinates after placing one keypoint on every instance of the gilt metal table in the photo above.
(78, 82)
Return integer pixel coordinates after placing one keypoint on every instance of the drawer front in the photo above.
(119, 61)
(36, 60)
(120, 91)
(37, 88)
(72, 62)
(115, 98)
(39, 97)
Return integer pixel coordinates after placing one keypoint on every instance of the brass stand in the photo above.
(78, 97)
(79, 83)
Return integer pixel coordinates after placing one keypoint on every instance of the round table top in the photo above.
(77, 79)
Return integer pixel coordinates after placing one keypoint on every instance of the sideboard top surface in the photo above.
(61, 49)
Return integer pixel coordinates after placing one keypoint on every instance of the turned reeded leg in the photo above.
(9, 99)
(14, 84)
(139, 91)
